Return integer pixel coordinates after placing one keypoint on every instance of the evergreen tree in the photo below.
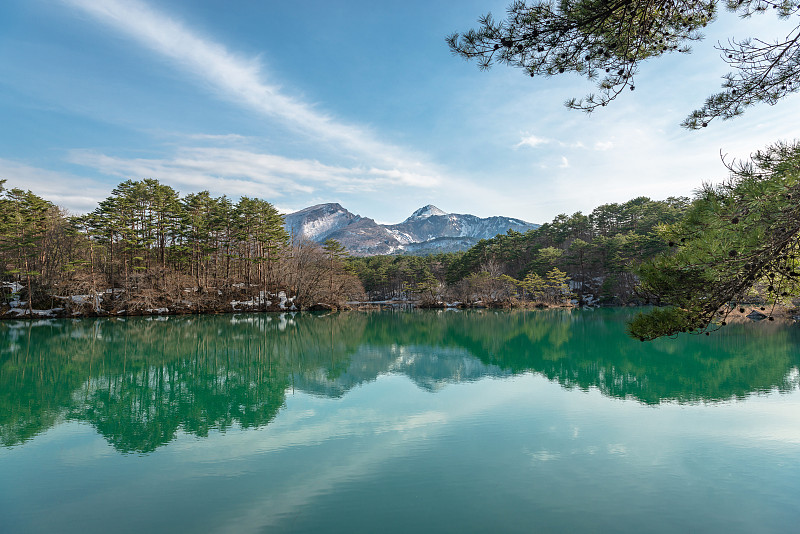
(740, 236)
(335, 252)
(165, 213)
(23, 220)
(198, 233)
(556, 286)
(607, 40)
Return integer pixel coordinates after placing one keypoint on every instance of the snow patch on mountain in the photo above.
(403, 237)
(318, 222)
(425, 212)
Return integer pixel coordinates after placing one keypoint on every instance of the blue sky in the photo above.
(356, 102)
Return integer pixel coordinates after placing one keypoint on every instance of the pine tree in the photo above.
(607, 40)
(740, 236)
(556, 286)
(335, 252)
(24, 224)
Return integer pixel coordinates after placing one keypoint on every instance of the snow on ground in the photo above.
(15, 311)
(285, 303)
(286, 300)
(253, 302)
(15, 287)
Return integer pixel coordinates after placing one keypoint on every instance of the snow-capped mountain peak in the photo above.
(425, 212)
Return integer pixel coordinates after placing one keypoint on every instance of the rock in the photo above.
(321, 306)
(756, 316)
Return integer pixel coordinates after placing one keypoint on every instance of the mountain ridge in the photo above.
(428, 230)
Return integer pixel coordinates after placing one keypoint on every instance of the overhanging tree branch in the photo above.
(607, 40)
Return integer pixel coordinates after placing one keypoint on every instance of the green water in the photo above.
(396, 422)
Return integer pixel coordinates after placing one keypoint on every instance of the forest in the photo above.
(145, 249)
(588, 259)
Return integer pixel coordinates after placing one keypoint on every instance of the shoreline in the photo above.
(780, 313)
(19, 313)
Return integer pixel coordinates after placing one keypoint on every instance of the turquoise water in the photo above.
(395, 422)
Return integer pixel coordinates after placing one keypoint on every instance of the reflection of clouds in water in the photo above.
(291, 498)
(424, 420)
(77, 444)
(541, 456)
(384, 441)
(308, 430)
(772, 420)
(617, 449)
(376, 435)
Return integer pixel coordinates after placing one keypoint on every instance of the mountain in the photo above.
(428, 230)
(317, 222)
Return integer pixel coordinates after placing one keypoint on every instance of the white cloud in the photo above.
(243, 172)
(406, 177)
(77, 194)
(531, 141)
(218, 138)
(564, 163)
(534, 141)
(603, 145)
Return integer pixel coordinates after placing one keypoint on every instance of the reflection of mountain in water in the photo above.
(140, 381)
(429, 367)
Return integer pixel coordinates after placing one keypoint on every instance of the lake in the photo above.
(421, 421)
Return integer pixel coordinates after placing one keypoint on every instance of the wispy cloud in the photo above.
(245, 172)
(238, 78)
(75, 193)
(245, 82)
(217, 138)
(534, 141)
(531, 141)
(564, 163)
(603, 145)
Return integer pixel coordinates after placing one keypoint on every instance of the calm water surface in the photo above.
(396, 422)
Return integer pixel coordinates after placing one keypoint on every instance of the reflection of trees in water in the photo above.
(585, 349)
(745, 359)
(140, 381)
(36, 384)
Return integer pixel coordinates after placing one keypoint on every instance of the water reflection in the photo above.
(139, 381)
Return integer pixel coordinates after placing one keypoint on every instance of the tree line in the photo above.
(146, 248)
(590, 258)
(739, 244)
